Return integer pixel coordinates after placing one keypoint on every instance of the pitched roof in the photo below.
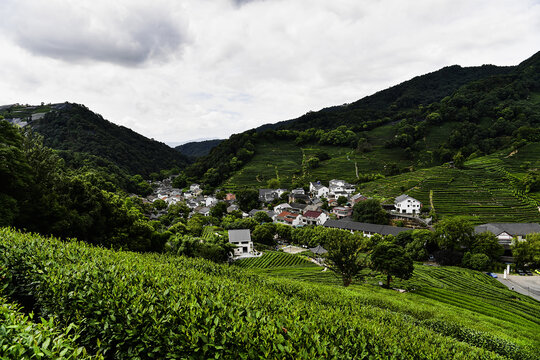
(312, 214)
(358, 226)
(400, 198)
(298, 206)
(284, 214)
(239, 235)
(318, 250)
(513, 229)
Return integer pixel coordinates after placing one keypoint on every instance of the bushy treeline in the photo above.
(130, 305)
(39, 193)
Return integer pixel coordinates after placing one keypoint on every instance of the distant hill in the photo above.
(73, 127)
(197, 149)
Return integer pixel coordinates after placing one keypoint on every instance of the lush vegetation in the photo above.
(451, 115)
(39, 193)
(488, 188)
(157, 306)
(75, 128)
(198, 148)
(23, 337)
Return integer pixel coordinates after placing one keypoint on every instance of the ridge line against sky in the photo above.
(180, 70)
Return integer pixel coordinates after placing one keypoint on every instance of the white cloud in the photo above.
(180, 70)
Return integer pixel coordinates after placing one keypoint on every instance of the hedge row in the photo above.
(152, 306)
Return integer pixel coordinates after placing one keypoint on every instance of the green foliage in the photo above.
(264, 234)
(527, 253)
(391, 260)
(262, 217)
(454, 233)
(23, 337)
(213, 249)
(476, 261)
(344, 255)
(487, 244)
(160, 306)
(219, 209)
(160, 204)
(370, 211)
(247, 199)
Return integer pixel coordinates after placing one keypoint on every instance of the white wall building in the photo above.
(242, 240)
(406, 204)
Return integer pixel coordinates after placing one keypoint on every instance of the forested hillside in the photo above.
(197, 148)
(74, 128)
(454, 114)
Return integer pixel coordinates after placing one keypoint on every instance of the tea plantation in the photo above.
(486, 190)
(127, 305)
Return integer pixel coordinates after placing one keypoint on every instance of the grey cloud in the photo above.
(130, 38)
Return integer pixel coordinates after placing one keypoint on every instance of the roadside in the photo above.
(526, 285)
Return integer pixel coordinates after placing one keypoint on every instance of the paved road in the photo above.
(526, 285)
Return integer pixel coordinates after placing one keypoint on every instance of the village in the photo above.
(327, 206)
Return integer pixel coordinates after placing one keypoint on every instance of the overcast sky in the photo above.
(177, 70)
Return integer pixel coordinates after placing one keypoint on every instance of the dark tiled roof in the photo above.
(366, 227)
(513, 229)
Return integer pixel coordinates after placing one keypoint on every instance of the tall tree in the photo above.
(344, 255)
(391, 260)
(370, 211)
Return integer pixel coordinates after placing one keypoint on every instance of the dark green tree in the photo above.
(218, 210)
(370, 211)
(391, 260)
(344, 255)
(263, 234)
(527, 253)
(262, 217)
(342, 200)
(247, 199)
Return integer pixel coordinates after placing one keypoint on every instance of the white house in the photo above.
(341, 187)
(313, 218)
(288, 218)
(194, 188)
(211, 201)
(318, 190)
(282, 207)
(242, 240)
(406, 204)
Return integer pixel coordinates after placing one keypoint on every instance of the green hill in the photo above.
(410, 129)
(197, 149)
(129, 305)
(74, 128)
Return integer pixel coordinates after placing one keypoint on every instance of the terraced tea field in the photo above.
(273, 259)
(485, 191)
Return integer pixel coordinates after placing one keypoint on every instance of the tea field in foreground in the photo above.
(126, 305)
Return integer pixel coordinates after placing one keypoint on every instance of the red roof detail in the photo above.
(313, 214)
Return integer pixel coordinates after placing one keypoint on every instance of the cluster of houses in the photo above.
(306, 208)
